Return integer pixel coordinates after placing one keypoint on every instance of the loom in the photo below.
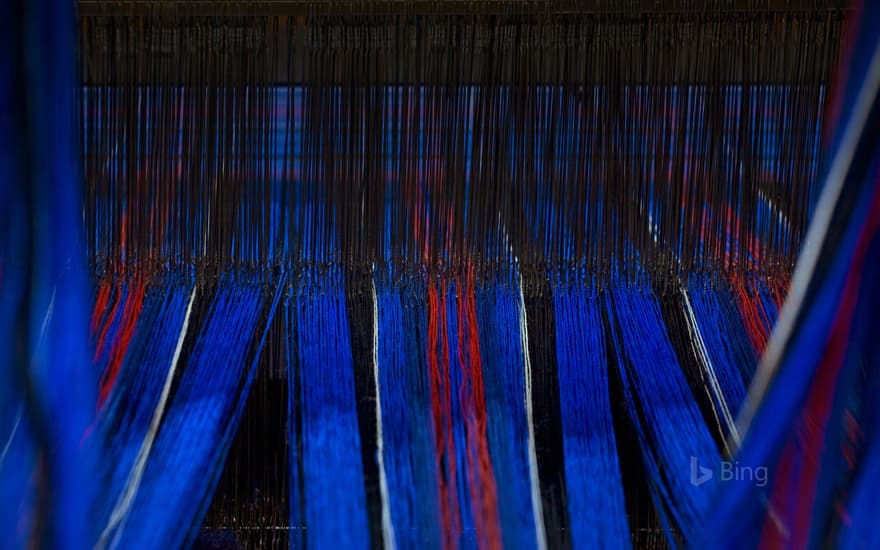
(443, 274)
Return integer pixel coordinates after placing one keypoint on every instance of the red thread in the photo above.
(100, 306)
(108, 322)
(131, 313)
(438, 369)
(778, 291)
(748, 309)
(481, 479)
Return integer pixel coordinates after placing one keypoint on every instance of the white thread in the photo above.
(700, 347)
(537, 508)
(387, 527)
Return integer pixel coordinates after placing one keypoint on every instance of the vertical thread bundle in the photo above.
(195, 428)
(660, 403)
(508, 429)
(406, 415)
(332, 478)
(594, 485)
(126, 418)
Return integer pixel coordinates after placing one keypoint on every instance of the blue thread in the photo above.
(504, 379)
(415, 317)
(103, 358)
(468, 537)
(596, 503)
(198, 425)
(126, 416)
(725, 338)
(669, 425)
(408, 442)
(396, 422)
(333, 484)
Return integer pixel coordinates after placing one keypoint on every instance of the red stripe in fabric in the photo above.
(108, 322)
(481, 480)
(438, 369)
(748, 309)
(101, 301)
(130, 313)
